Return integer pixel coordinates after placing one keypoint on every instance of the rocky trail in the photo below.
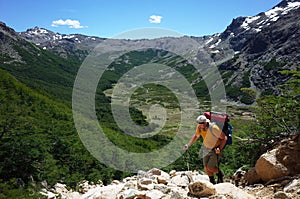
(275, 175)
(156, 184)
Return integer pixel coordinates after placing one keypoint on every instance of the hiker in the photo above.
(214, 141)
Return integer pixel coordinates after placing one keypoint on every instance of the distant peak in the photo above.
(38, 30)
(288, 3)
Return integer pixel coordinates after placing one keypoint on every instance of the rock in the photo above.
(201, 189)
(145, 184)
(234, 192)
(115, 182)
(131, 184)
(74, 195)
(180, 180)
(195, 176)
(177, 193)
(140, 194)
(172, 173)
(141, 174)
(293, 186)
(109, 191)
(251, 177)
(60, 188)
(281, 195)
(154, 171)
(161, 187)
(238, 177)
(162, 180)
(154, 194)
(129, 194)
(48, 194)
(218, 197)
(288, 154)
(268, 168)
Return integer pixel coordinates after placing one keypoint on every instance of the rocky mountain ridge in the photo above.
(266, 44)
(252, 49)
(239, 35)
(238, 32)
(64, 45)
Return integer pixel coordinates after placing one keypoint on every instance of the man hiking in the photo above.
(214, 141)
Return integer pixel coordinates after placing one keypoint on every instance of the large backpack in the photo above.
(223, 121)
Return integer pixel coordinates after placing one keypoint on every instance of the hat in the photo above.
(202, 119)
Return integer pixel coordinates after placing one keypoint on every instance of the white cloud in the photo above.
(155, 19)
(69, 22)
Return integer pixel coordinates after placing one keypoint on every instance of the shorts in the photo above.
(211, 159)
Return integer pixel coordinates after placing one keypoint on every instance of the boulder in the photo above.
(288, 154)
(201, 188)
(231, 190)
(268, 167)
(251, 177)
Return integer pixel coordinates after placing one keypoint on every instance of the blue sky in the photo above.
(108, 18)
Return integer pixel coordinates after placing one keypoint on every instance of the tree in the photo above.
(278, 116)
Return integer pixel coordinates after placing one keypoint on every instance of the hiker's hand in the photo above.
(185, 147)
(218, 150)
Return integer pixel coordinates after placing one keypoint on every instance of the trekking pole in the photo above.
(187, 160)
(218, 162)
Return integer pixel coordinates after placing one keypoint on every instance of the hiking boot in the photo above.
(212, 179)
(220, 176)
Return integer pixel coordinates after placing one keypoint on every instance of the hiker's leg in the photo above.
(220, 173)
(211, 170)
(207, 162)
(212, 163)
(212, 179)
(220, 176)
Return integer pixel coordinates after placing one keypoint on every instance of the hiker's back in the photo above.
(223, 121)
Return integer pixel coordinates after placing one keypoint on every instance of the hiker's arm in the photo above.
(191, 142)
(223, 139)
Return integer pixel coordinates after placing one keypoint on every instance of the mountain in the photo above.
(280, 23)
(264, 45)
(244, 28)
(64, 45)
(37, 68)
(254, 48)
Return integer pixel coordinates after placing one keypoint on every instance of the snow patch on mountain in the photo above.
(216, 44)
(248, 21)
(270, 16)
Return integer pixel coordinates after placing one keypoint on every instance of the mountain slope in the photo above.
(38, 140)
(266, 44)
(63, 45)
(269, 39)
(37, 68)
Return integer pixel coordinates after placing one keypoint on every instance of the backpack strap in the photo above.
(211, 129)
